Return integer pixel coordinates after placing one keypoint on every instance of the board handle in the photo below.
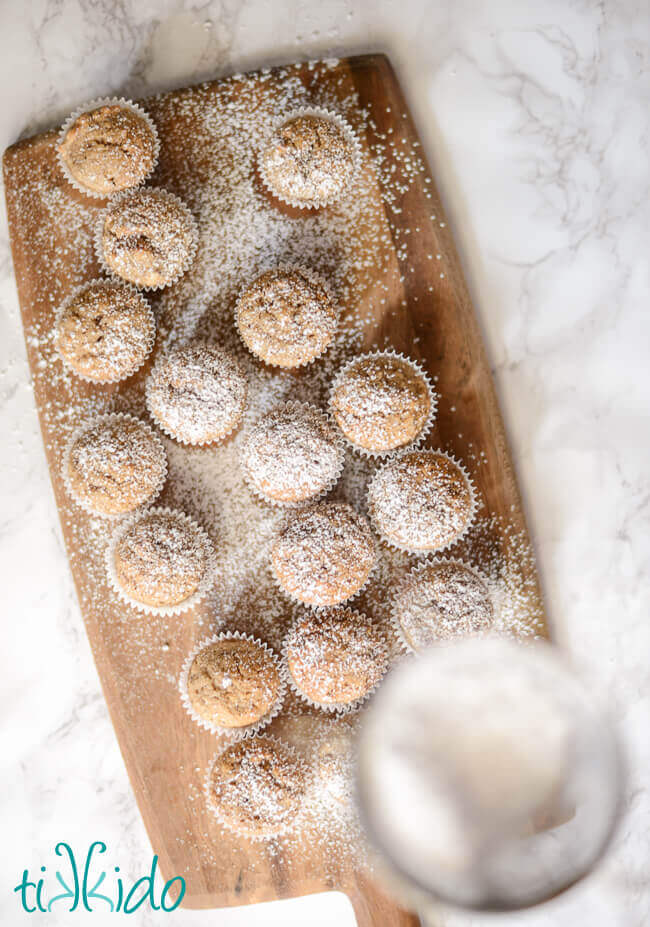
(373, 907)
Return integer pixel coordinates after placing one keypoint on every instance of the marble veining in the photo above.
(536, 118)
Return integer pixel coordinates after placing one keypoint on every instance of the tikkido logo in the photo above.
(81, 886)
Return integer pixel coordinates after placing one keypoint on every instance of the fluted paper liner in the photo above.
(119, 198)
(417, 551)
(88, 108)
(350, 137)
(433, 403)
(104, 419)
(164, 610)
(107, 284)
(289, 406)
(231, 733)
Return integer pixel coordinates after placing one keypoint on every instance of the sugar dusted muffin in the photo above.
(109, 148)
(335, 658)
(381, 402)
(114, 464)
(257, 787)
(440, 600)
(105, 331)
(292, 454)
(421, 501)
(324, 555)
(232, 683)
(148, 237)
(310, 159)
(160, 560)
(197, 394)
(286, 317)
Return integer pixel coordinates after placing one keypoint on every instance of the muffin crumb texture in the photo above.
(324, 555)
(381, 402)
(440, 600)
(197, 394)
(336, 657)
(292, 454)
(286, 317)
(233, 683)
(105, 332)
(257, 787)
(109, 149)
(310, 160)
(421, 501)
(115, 465)
(148, 238)
(161, 559)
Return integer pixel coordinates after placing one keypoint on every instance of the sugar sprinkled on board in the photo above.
(209, 142)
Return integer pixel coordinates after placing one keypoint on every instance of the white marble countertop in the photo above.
(536, 118)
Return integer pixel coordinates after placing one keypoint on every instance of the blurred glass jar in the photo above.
(487, 777)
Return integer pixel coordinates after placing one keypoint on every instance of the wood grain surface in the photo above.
(425, 311)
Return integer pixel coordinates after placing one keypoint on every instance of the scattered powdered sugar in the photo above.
(209, 143)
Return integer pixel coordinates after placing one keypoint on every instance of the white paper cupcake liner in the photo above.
(336, 708)
(207, 442)
(419, 568)
(91, 423)
(314, 277)
(238, 733)
(107, 284)
(319, 608)
(89, 107)
(350, 136)
(289, 406)
(163, 610)
(433, 403)
(415, 551)
(278, 831)
(126, 194)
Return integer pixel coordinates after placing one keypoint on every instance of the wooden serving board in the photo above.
(405, 290)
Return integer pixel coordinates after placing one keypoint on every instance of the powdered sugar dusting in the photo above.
(209, 141)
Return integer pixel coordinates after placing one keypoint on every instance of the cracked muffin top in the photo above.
(109, 149)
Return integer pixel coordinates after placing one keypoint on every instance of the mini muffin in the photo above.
(197, 394)
(421, 501)
(161, 559)
(334, 761)
(440, 600)
(109, 149)
(335, 658)
(286, 317)
(257, 786)
(233, 683)
(324, 555)
(105, 331)
(292, 455)
(381, 402)
(310, 159)
(114, 464)
(147, 237)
